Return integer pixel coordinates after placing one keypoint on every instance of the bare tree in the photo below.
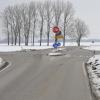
(49, 17)
(15, 23)
(81, 30)
(6, 24)
(9, 23)
(58, 10)
(68, 15)
(33, 6)
(26, 23)
(27, 20)
(41, 11)
(18, 21)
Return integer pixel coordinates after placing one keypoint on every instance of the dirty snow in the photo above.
(94, 74)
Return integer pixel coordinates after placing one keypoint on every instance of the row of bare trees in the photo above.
(38, 18)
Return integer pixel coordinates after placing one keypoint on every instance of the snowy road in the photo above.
(36, 76)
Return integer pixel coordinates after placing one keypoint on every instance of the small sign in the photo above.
(56, 29)
(59, 37)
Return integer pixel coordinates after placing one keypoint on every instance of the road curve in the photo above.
(36, 76)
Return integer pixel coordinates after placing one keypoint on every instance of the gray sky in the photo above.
(87, 10)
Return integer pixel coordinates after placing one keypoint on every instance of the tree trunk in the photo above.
(26, 40)
(8, 33)
(34, 31)
(40, 38)
(19, 38)
(78, 42)
(8, 38)
(48, 34)
(33, 38)
(12, 39)
(56, 39)
(41, 30)
(15, 40)
(64, 35)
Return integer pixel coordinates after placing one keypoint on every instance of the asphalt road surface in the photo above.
(36, 76)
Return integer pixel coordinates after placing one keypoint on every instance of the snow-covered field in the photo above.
(93, 47)
(10, 48)
(6, 48)
(20, 48)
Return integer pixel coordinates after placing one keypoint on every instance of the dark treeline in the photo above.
(36, 19)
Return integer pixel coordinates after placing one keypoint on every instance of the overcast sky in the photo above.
(87, 10)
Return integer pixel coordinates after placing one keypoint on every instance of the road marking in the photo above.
(9, 64)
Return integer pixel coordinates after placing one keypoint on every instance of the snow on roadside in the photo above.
(2, 62)
(5, 48)
(93, 68)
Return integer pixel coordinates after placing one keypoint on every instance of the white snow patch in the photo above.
(55, 54)
(96, 48)
(10, 48)
(5, 48)
(2, 62)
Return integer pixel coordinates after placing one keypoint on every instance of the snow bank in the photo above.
(57, 52)
(4, 48)
(93, 68)
(2, 62)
